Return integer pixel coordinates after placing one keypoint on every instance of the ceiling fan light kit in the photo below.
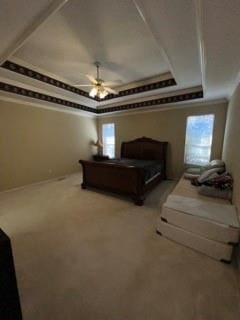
(100, 92)
(99, 89)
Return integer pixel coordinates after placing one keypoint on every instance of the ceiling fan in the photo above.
(100, 88)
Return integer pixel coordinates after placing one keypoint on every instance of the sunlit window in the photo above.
(198, 141)
(108, 137)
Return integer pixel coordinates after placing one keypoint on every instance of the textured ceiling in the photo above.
(221, 42)
(15, 18)
(109, 31)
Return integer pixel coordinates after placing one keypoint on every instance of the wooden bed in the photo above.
(127, 180)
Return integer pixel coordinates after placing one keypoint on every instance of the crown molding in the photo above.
(195, 94)
(201, 43)
(142, 88)
(25, 71)
(170, 106)
(31, 85)
(44, 97)
(40, 76)
(43, 105)
(161, 48)
(234, 86)
(34, 67)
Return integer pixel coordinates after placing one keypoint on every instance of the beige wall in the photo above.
(168, 125)
(231, 149)
(38, 144)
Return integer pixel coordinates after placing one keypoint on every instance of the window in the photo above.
(198, 141)
(108, 137)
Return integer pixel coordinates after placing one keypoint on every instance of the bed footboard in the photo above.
(114, 178)
(127, 180)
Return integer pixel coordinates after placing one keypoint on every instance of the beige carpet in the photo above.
(85, 255)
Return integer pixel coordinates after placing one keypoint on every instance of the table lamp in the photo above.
(99, 145)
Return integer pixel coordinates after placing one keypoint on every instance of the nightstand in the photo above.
(97, 157)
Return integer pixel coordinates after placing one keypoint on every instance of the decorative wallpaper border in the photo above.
(154, 102)
(149, 103)
(14, 67)
(143, 88)
(44, 97)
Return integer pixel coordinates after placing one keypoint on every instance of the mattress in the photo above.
(218, 222)
(186, 189)
(216, 250)
(151, 168)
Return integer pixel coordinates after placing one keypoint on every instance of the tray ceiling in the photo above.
(156, 48)
(109, 31)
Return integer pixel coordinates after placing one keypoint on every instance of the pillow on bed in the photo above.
(209, 174)
(190, 176)
(215, 164)
(192, 173)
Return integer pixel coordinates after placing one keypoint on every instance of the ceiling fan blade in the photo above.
(83, 85)
(113, 83)
(111, 90)
(92, 79)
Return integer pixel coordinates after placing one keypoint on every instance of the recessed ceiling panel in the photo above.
(110, 31)
(173, 24)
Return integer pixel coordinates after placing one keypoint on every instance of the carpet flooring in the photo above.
(81, 254)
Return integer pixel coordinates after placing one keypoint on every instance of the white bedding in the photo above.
(220, 213)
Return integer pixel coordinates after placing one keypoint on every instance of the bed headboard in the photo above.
(145, 149)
